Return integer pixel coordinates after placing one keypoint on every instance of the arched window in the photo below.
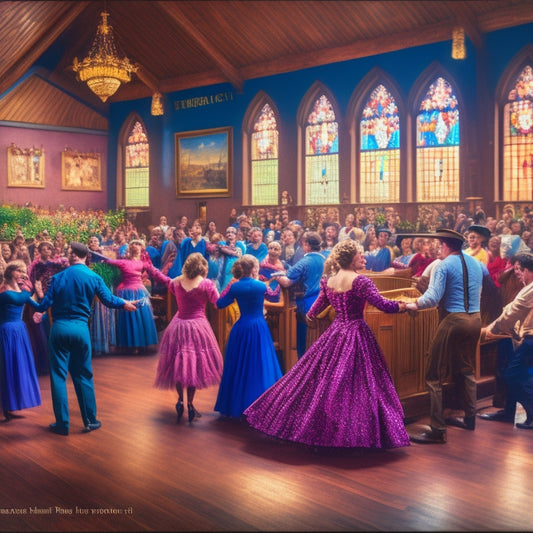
(264, 156)
(380, 148)
(136, 168)
(322, 154)
(518, 139)
(437, 145)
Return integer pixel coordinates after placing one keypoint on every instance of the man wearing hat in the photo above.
(70, 295)
(477, 237)
(381, 258)
(455, 285)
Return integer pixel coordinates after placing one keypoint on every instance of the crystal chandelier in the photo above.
(103, 70)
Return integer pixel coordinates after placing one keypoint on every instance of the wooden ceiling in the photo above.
(186, 44)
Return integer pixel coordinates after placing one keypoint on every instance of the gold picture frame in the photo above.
(80, 171)
(204, 165)
(25, 167)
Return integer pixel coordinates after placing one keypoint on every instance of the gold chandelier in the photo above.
(103, 69)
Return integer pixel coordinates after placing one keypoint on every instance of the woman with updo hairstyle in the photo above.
(19, 386)
(340, 393)
(250, 363)
(189, 356)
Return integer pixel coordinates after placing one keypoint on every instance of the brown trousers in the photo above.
(452, 353)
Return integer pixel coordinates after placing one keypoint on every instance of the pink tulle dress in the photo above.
(189, 352)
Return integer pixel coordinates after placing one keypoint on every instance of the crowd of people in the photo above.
(64, 302)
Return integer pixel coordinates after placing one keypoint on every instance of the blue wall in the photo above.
(287, 91)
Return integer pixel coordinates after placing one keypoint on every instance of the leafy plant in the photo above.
(75, 226)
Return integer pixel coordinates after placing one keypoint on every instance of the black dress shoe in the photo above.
(430, 436)
(525, 425)
(468, 422)
(179, 410)
(91, 426)
(498, 416)
(58, 429)
(192, 412)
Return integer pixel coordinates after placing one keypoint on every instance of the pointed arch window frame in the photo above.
(141, 176)
(516, 184)
(436, 190)
(329, 174)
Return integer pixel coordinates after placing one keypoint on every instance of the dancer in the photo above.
(135, 330)
(250, 365)
(19, 385)
(70, 295)
(340, 393)
(189, 355)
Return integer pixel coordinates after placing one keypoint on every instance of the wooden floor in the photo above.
(143, 472)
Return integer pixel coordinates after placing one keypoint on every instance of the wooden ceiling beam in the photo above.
(372, 47)
(40, 42)
(467, 21)
(174, 11)
(148, 79)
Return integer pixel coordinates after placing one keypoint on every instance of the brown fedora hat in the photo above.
(445, 233)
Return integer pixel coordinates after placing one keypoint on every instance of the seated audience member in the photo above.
(210, 230)
(516, 227)
(370, 239)
(381, 257)
(183, 225)
(406, 251)
(154, 245)
(349, 225)
(120, 244)
(493, 248)
(477, 237)
(291, 252)
(194, 243)
(256, 246)
(229, 251)
(330, 237)
(163, 225)
(422, 258)
(272, 264)
(107, 236)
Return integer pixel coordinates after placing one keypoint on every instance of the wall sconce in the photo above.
(458, 43)
(157, 104)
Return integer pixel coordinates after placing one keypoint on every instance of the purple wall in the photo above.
(53, 143)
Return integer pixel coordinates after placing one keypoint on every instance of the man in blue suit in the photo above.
(70, 295)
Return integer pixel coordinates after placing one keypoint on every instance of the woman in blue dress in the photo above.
(250, 362)
(19, 386)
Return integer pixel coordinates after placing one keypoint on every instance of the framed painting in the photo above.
(80, 172)
(204, 165)
(25, 167)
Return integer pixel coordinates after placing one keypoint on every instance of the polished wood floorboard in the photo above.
(143, 472)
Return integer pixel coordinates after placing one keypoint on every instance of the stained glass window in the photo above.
(518, 139)
(322, 154)
(136, 189)
(380, 148)
(437, 145)
(265, 139)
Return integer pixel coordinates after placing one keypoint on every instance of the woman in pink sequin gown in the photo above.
(340, 393)
(189, 355)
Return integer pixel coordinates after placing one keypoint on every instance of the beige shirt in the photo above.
(517, 316)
